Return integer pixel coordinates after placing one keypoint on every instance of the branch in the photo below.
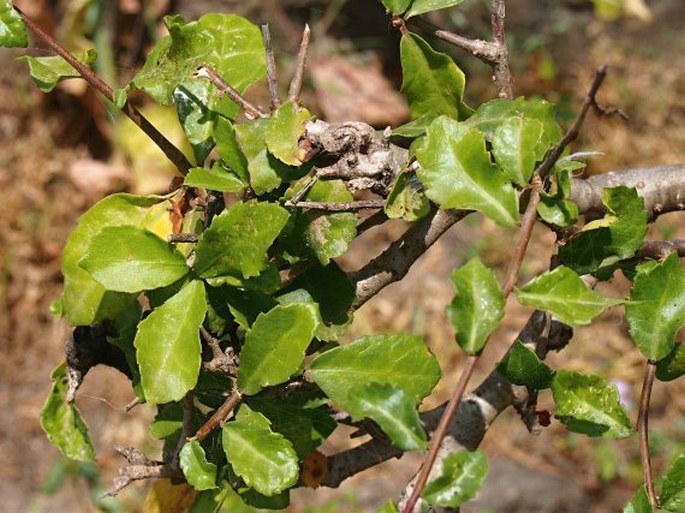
(205, 71)
(296, 83)
(643, 430)
(172, 152)
(140, 467)
(271, 70)
(220, 415)
(332, 206)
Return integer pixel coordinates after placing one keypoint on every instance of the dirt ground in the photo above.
(52, 168)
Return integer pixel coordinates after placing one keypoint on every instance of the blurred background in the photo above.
(61, 152)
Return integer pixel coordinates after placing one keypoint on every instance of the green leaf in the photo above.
(672, 366)
(424, 6)
(229, 149)
(12, 29)
(602, 243)
(131, 259)
(392, 409)
(200, 473)
(516, 147)
(396, 6)
(246, 304)
(672, 496)
(462, 475)
(265, 460)
(47, 72)
(216, 179)
(656, 307)
(85, 301)
(587, 404)
(237, 241)
(274, 347)
(407, 199)
(562, 292)
(413, 129)
(168, 345)
(554, 207)
(457, 172)
(522, 366)
(316, 232)
(63, 423)
(431, 81)
(223, 41)
(639, 503)
(399, 360)
(286, 126)
(477, 307)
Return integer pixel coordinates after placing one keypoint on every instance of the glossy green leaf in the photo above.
(392, 409)
(602, 243)
(672, 496)
(63, 423)
(397, 6)
(229, 149)
(639, 503)
(12, 29)
(216, 179)
(562, 292)
(587, 404)
(461, 477)
(132, 259)
(399, 360)
(168, 345)
(477, 307)
(413, 129)
(424, 6)
(286, 126)
(275, 345)
(193, 101)
(431, 81)
(672, 366)
(516, 148)
(523, 367)
(237, 241)
(265, 460)
(316, 232)
(407, 199)
(555, 207)
(47, 72)
(85, 301)
(656, 307)
(457, 172)
(200, 473)
(223, 41)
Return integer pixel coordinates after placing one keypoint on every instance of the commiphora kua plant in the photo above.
(223, 303)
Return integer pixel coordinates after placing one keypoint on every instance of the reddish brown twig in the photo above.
(643, 431)
(220, 415)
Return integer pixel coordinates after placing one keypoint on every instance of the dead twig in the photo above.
(332, 206)
(251, 110)
(296, 83)
(271, 70)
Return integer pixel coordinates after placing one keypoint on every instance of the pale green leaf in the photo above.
(168, 346)
(200, 473)
(562, 292)
(522, 366)
(12, 29)
(639, 503)
(237, 241)
(399, 360)
(656, 307)
(461, 477)
(431, 81)
(286, 126)
(132, 259)
(516, 147)
(672, 366)
(672, 496)
(457, 172)
(275, 345)
(216, 179)
(397, 6)
(229, 149)
(392, 409)
(407, 199)
(47, 72)
(477, 307)
(63, 423)
(265, 460)
(424, 6)
(587, 404)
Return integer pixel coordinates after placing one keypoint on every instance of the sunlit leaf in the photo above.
(457, 172)
(168, 345)
(587, 404)
(407, 199)
(200, 473)
(563, 293)
(286, 126)
(424, 6)
(166, 497)
(656, 307)
(63, 423)
(672, 496)
(216, 179)
(12, 29)
(523, 367)
(516, 147)
(396, 6)
(639, 503)
(461, 477)
(47, 72)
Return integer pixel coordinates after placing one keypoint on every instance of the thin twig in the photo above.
(501, 72)
(440, 433)
(220, 415)
(271, 70)
(212, 342)
(182, 237)
(172, 152)
(205, 71)
(333, 206)
(296, 83)
(642, 428)
(659, 249)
